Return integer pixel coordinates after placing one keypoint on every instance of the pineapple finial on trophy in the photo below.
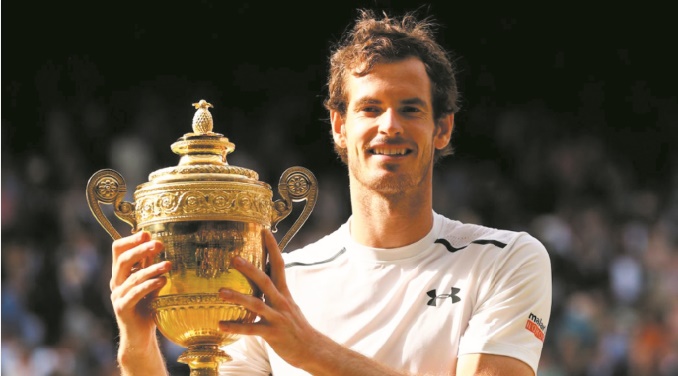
(202, 120)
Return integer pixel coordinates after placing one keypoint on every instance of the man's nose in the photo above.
(389, 123)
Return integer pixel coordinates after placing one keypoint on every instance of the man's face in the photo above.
(388, 130)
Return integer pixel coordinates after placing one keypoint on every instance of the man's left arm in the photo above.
(506, 333)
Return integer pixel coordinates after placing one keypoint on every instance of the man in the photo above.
(398, 289)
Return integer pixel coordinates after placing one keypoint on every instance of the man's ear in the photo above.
(443, 131)
(338, 128)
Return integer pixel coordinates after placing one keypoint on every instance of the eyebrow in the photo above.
(415, 101)
(364, 101)
(370, 101)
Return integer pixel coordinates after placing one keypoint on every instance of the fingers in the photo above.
(276, 260)
(127, 252)
(130, 285)
(128, 304)
(274, 287)
(140, 284)
(258, 277)
(249, 302)
(273, 297)
(123, 244)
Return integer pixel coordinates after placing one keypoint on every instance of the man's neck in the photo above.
(390, 221)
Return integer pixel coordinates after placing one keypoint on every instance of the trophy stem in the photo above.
(204, 360)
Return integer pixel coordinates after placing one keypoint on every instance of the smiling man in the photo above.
(398, 289)
(388, 135)
(387, 130)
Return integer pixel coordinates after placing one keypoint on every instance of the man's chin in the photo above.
(391, 184)
(386, 179)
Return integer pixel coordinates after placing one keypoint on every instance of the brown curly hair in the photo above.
(389, 39)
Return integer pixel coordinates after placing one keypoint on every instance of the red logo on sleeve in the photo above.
(535, 326)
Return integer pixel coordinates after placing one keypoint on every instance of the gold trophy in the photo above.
(205, 212)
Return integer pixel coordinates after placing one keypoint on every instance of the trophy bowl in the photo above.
(205, 212)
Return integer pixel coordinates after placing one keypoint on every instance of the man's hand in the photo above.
(281, 323)
(130, 289)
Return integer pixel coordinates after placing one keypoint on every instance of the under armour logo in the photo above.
(452, 295)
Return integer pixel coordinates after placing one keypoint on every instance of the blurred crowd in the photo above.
(609, 224)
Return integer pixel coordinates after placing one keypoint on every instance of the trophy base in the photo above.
(204, 360)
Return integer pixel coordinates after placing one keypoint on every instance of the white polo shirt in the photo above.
(461, 289)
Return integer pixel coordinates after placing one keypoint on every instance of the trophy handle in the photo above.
(296, 184)
(108, 187)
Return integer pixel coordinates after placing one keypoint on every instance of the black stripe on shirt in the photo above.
(452, 249)
(316, 263)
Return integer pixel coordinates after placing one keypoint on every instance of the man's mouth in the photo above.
(389, 151)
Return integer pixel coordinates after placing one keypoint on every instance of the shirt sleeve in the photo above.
(249, 358)
(513, 306)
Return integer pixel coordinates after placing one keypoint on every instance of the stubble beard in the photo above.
(391, 184)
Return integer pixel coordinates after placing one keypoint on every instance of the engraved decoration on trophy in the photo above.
(205, 212)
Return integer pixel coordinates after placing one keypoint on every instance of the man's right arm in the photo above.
(138, 351)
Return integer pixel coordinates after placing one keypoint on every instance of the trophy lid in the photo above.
(202, 187)
(203, 154)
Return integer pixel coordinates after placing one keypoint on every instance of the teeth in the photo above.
(390, 151)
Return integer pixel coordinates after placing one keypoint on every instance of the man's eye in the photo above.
(370, 109)
(411, 109)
